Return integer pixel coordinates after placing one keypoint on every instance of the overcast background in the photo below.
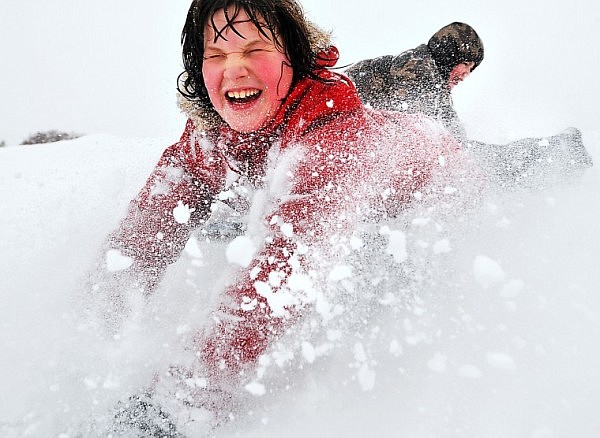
(110, 66)
(518, 358)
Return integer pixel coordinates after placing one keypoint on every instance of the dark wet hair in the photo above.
(282, 20)
(454, 44)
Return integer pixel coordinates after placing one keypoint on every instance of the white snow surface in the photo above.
(499, 339)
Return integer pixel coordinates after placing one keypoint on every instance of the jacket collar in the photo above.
(310, 104)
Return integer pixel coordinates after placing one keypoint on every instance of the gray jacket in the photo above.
(409, 82)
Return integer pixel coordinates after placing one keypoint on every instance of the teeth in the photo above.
(242, 94)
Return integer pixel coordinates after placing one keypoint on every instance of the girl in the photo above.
(266, 116)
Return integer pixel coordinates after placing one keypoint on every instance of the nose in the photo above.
(235, 66)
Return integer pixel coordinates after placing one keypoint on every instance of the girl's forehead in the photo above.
(225, 23)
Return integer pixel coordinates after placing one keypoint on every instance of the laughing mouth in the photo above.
(243, 96)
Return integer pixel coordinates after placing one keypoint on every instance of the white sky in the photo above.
(111, 66)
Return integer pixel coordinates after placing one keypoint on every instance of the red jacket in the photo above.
(343, 149)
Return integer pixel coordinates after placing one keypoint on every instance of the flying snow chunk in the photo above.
(308, 351)
(359, 352)
(278, 301)
(420, 221)
(287, 229)
(366, 377)
(340, 272)
(501, 361)
(395, 348)
(111, 383)
(90, 383)
(299, 282)
(396, 244)
(182, 213)
(437, 363)
(487, 271)
(196, 382)
(356, 243)
(248, 304)
(512, 289)
(226, 195)
(256, 388)
(240, 251)
(442, 247)
(183, 328)
(192, 248)
(469, 372)
(116, 261)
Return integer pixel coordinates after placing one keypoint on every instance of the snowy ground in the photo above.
(503, 338)
(501, 342)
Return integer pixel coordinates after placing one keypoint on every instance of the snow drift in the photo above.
(481, 322)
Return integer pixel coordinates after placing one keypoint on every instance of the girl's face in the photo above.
(245, 74)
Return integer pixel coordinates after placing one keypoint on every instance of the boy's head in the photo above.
(280, 22)
(454, 44)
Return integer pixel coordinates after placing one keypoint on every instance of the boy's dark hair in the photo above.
(282, 19)
(454, 44)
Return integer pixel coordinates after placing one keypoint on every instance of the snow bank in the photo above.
(499, 338)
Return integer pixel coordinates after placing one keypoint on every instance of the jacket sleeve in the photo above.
(175, 199)
(372, 79)
(262, 304)
(409, 82)
(322, 201)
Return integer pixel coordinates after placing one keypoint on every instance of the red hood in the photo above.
(310, 104)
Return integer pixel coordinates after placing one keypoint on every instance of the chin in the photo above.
(249, 123)
(244, 127)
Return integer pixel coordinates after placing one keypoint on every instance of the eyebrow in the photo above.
(248, 45)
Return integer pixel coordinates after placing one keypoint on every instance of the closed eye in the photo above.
(213, 56)
(252, 52)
